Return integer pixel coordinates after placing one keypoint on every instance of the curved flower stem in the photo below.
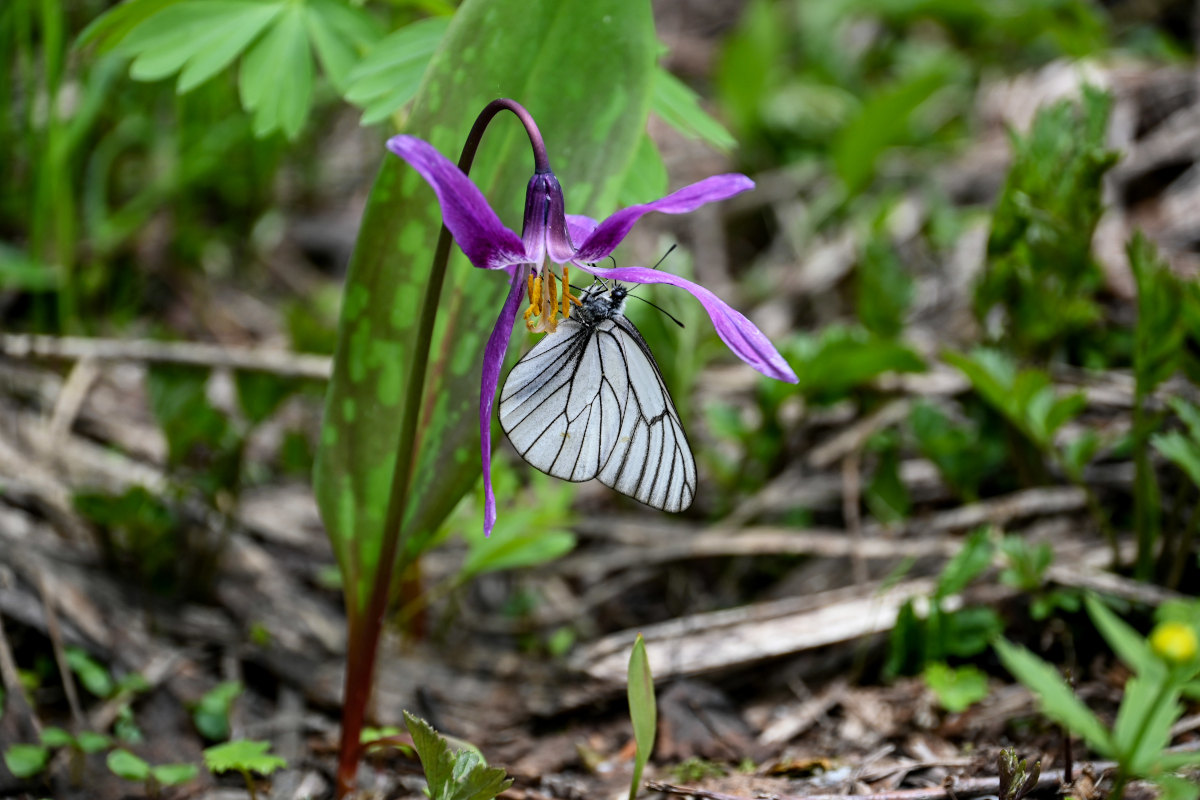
(363, 641)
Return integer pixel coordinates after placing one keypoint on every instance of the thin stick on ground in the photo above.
(257, 359)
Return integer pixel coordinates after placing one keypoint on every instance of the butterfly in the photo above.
(588, 401)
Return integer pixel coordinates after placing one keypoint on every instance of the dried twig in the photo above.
(279, 362)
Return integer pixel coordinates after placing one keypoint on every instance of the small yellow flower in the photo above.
(1174, 642)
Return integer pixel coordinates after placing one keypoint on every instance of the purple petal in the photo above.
(493, 360)
(740, 334)
(580, 226)
(605, 238)
(476, 228)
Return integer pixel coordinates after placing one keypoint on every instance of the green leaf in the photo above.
(885, 120)
(461, 775)
(260, 393)
(92, 674)
(964, 633)
(968, 563)
(242, 754)
(25, 760)
(1176, 788)
(211, 715)
(1181, 451)
(1173, 761)
(679, 107)
(1127, 643)
(21, 272)
(1057, 699)
(646, 179)
(1040, 288)
(841, 359)
(884, 289)
(583, 70)
(886, 495)
(197, 39)
(957, 689)
(1079, 452)
(111, 27)
(174, 774)
(388, 77)
(436, 759)
(340, 34)
(1190, 415)
(92, 742)
(523, 547)
(179, 400)
(1158, 337)
(56, 737)
(964, 453)
(125, 764)
(1143, 725)
(643, 710)
(276, 78)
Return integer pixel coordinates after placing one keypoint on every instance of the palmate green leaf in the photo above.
(276, 79)
(389, 75)
(111, 28)
(679, 107)
(583, 69)
(241, 755)
(1058, 700)
(643, 710)
(1182, 451)
(340, 34)
(199, 37)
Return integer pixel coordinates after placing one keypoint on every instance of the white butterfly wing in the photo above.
(587, 402)
(651, 460)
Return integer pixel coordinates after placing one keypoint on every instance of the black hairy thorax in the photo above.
(599, 303)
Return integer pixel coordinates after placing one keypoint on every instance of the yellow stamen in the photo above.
(535, 302)
(566, 305)
(550, 303)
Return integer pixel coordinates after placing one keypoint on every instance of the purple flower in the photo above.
(550, 233)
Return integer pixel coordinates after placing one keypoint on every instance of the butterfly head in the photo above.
(600, 302)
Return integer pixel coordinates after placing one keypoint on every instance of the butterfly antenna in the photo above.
(670, 316)
(670, 250)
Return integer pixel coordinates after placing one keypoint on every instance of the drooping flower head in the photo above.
(550, 236)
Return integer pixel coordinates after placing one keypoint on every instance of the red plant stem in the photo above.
(363, 641)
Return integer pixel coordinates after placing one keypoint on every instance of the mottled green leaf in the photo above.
(583, 68)
(647, 177)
